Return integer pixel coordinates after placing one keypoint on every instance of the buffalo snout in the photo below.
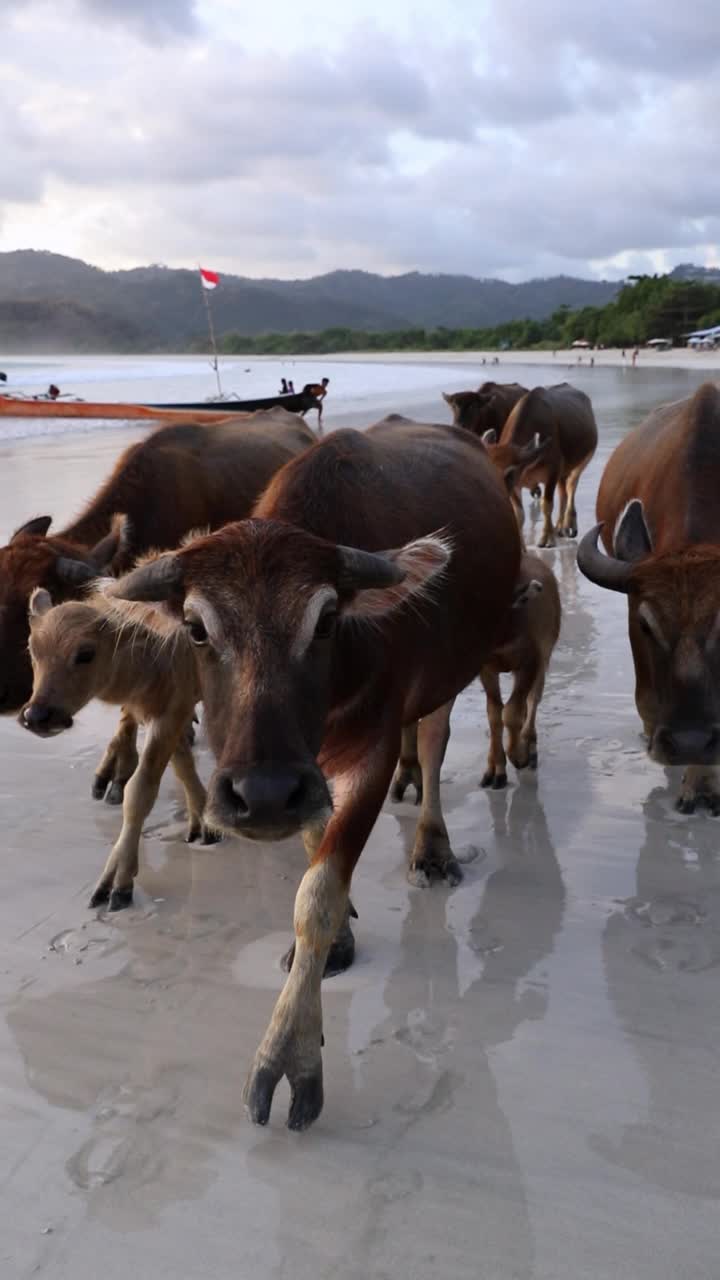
(44, 720)
(699, 745)
(267, 802)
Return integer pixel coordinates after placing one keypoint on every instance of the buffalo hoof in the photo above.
(306, 1097)
(686, 803)
(120, 899)
(496, 780)
(116, 793)
(432, 860)
(198, 833)
(407, 776)
(100, 786)
(100, 896)
(545, 543)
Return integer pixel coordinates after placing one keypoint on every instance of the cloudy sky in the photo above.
(495, 137)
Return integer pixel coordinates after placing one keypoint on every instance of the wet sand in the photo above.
(521, 1073)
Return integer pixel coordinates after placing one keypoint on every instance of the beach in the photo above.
(520, 1073)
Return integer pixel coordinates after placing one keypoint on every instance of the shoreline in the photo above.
(677, 358)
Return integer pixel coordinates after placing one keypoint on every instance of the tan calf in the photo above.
(83, 650)
(535, 627)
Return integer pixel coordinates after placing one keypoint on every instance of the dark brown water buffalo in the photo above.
(486, 409)
(178, 479)
(315, 645)
(562, 418)
(660, 512)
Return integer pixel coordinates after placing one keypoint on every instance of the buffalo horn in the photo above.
(604, 571)
(74, 572)
(157, 580)
(361, 570)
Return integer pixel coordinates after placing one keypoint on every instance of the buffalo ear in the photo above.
(74, 572)
(40, 602)
(632, 540)
(489, 436)
(510, 476)
(157, 580)
(400, 575)
(448, 398)
(118, 539)
(36, 528)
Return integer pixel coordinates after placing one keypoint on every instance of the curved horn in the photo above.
(362, 569)
(36, 528)
(604, 571)
(157, 580)
(74, 572)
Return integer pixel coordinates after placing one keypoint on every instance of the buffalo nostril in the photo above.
(236, 796)
(36, 715)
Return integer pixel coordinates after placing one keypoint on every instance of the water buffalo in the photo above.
(177, 479)
(563, 417)
(486, 409)
(660, 526)
(87, 649)
(315, 645)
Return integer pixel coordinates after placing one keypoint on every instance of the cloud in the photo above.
(515, 140)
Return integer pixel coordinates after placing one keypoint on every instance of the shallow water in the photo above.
(521, 1074)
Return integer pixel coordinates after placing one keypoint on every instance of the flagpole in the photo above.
(211, 327)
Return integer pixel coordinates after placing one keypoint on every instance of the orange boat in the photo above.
(15, 407)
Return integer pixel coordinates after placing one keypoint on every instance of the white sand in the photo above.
(521, 1074)
(680, 358)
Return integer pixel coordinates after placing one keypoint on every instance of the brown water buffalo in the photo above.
(315, 645)
(486, 409)
(660, 525)
(563, 417)
(179, 478)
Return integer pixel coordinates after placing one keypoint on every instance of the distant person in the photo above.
(635, 355)
(283, 387)
(291, 388)
(3, 377)
(592, 362)
(53, 391)
(623, 354)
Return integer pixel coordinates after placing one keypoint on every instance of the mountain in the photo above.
(688, 271)
(78, 307)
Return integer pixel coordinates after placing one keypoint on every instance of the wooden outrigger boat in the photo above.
(202, 411)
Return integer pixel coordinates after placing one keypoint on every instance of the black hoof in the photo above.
(258, 1093)
(713, 804)
(120, 899)
(306, 1102)
(496, 781)
(426, 871)
(115, 794)
(209, 836)
(100, 896)
(685, 804)
(100, 786)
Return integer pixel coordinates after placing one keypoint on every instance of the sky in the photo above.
(511, 138)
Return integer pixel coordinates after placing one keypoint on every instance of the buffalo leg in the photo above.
(342, 951)
(183, 763)
(408, 772)
(293, 1041)
(116, 881)
(514, 716)
(548, 534)
(569, 516)
(495, 775)
(119, 761)
(527, 753)
(432, 858)
(562, 506)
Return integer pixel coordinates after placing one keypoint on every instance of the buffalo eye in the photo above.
(326, 624)
(84, 655)
(196, 631)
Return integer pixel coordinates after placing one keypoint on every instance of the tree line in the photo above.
(646, 307)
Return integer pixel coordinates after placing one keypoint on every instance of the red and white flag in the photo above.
(210, 279)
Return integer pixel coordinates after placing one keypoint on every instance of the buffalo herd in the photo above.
(326, 601)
